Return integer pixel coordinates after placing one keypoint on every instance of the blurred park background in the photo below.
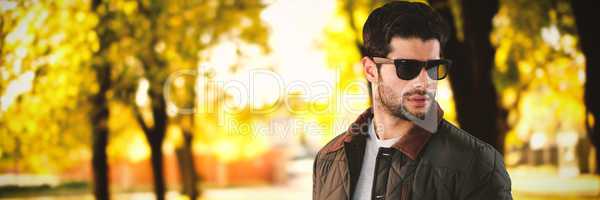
(231, 99)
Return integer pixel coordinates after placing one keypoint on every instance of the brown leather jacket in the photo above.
(447, 164)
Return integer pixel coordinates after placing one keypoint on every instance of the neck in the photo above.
(388, 126)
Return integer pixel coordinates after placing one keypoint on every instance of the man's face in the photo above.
(401, 97)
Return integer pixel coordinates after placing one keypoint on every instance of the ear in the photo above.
(370, 69)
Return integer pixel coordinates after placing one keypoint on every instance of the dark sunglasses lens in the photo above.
(407, 70)
(438, 71)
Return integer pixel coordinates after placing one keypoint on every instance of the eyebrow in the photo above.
(380, 60)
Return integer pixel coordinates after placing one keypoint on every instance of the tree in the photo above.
(100, 112)
(182, 94)
(588, 34)
(168, 41)
(44, 84)
(185, 159)
(477, 106)
(531, 49)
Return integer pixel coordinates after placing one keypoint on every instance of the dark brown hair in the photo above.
(403, 19)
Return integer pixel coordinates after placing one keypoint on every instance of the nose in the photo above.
(423, 79)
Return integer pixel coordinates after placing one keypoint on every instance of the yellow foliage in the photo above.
(545, 93)
(40, 41)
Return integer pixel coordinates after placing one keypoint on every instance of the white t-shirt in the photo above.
(365, 180)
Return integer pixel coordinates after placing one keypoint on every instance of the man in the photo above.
(401, 148)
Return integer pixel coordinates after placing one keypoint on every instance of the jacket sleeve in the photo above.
(487, 179)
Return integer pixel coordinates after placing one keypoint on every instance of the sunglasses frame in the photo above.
(423, 64)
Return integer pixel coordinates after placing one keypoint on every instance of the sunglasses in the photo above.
(408, 69)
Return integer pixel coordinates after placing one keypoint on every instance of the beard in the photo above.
(396, 104)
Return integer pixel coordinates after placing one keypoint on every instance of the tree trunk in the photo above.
(99, 158)
(157, 169)
(585, 13)
(476, 101)
(99, 115)
(99, 121)
(155, 137)
(187, 169)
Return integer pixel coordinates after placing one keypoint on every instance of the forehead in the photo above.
(414, 48)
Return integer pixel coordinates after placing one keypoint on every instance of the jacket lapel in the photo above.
(354, 151)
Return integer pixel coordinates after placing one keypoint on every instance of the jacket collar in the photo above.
(410, 144)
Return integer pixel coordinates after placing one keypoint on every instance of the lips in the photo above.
(418, 100)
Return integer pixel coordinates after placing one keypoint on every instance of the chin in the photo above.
(418, 112)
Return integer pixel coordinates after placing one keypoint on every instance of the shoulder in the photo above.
(480, 167)
(452, 147)
(334, 145)
(329, 156)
